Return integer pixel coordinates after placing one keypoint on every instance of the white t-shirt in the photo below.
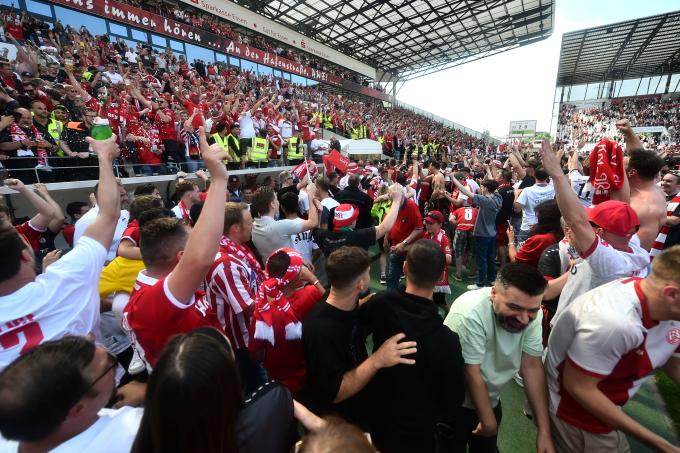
(532, 197)
(598, 334)
(319, 146)
(286, 128)
(303, 243)
(131, 56)
(247, 126)
(303, 202)
(115, 430)
(601, 264)
(88, 218)
(270, 235)
(64, 300)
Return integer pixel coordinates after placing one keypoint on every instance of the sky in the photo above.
(518, 84)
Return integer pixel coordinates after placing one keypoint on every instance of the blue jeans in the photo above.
(192, 165)
(486, 260)
(395, 269)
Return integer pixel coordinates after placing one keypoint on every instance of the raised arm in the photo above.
(582, 234)
(464, 190)
(41, 220)
(396, 194)
(199, 252)
(103, 226)
(313, 217)
(58, 217)
(632, 140)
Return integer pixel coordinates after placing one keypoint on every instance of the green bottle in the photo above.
(100, 129)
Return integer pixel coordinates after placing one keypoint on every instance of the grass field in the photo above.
(518, 433)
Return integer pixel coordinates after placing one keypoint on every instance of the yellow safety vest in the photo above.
(294, 151)
(328, 124)
(381, 139)
(364, 131)
(425, 148)
(222, 142)
(55, 127)
(260, 151)
(355, 133)
(231, 152)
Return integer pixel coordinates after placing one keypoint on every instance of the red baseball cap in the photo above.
(434, 217)
(614, 216)
(345, 214)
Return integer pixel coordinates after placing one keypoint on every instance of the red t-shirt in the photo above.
(167, 130)
(531, 249)
(285, 361)
(154, 315)
(408, 219)
(201, 106)
(465, 218)
(132, 232)
(68, 232)
(31, 234)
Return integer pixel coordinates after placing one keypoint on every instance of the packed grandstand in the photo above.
(379, 279)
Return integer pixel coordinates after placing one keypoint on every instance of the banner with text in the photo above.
(245, 18)
(131, 15)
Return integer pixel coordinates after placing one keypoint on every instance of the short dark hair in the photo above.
(345, 265)
(154, 213)
(506, 175)
(289, 202)
(426, 262)
(11, 247)
(39, 388)
(541, 175)
(262, 198)
(323, 183)
(277, 264)
(523, 277)
(161, 239)
(143, 203)
(74, 208)
(145, 189)
(648, 164)
(490, 184)
(332, 175)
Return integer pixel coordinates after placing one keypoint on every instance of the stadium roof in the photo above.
(415, 38)
(625, 50)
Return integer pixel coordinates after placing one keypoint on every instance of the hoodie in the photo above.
(407, 401)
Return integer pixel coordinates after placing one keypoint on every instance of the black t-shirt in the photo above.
(673, 236)
(330, 241)
(527, 181)
(333, 346)
(508, 196)
(550, 265)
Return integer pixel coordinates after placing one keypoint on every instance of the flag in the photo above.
(336, 160)
(301, 170)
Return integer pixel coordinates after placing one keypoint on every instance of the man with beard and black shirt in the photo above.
(338, 367)
(74, 144)
(500, 334)
(405, 421)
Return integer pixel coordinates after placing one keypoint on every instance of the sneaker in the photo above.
(137, 365)
(457, 278)
(518, 379)
(383, 279)
(473, 287)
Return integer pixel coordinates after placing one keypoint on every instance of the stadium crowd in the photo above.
(239, 317)
(592, 124)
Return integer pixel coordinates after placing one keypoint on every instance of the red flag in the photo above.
(301, 170)
(338, 161)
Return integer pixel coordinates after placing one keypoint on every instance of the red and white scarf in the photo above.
(19, 135)
(606, 159)
(184, 211)
(243, 253)
(271, 302)
(660, 241)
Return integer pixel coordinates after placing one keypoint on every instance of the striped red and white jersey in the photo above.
(660, 242)
(231, 286)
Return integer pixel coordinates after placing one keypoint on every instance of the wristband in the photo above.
(316, 282)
